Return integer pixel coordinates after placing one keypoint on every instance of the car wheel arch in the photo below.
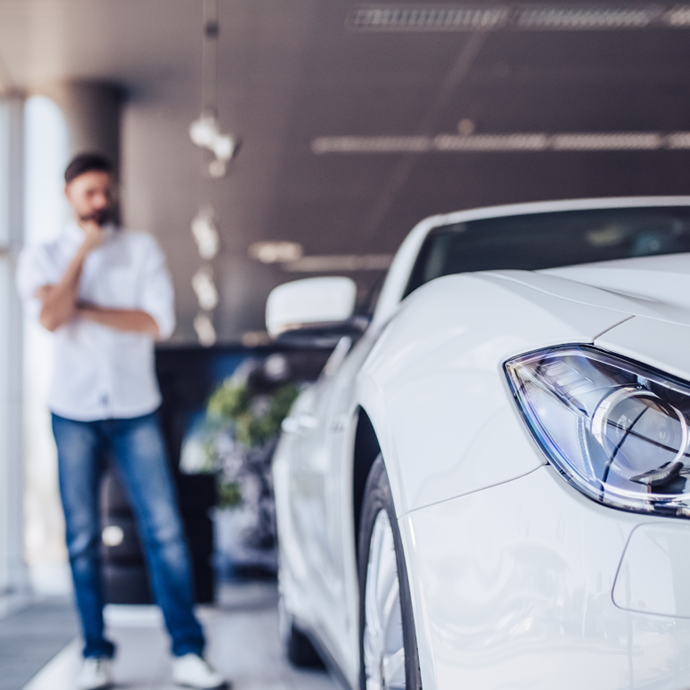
(369, 443)
(365, 451)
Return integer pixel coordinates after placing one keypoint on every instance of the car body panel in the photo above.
(656, 286)
(654, 574)
(660, 344)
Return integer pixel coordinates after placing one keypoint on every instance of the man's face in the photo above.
(91, 196)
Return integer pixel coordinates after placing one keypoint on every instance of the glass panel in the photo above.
(6, 470)
(46, 157)
(4, 178)
(547, 240)
(45, 213)
(12, 572)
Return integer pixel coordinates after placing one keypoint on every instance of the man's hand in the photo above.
(93, 235)
(44, 292)
(59, 302)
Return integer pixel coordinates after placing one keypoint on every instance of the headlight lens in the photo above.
(615, 429)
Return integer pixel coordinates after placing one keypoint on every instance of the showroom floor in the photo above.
(243, 644)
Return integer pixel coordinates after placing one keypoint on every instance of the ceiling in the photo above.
(291, 71)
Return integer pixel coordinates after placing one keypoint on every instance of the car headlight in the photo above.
(615, 429)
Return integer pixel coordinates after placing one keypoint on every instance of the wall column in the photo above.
(92, 112)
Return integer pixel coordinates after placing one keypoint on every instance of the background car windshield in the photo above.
(549, 240)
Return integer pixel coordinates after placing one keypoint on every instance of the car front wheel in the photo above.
(388, 644)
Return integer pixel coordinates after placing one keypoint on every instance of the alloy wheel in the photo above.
(384, 649)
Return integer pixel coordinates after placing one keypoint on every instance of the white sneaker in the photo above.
(95, 673)
(193, 671)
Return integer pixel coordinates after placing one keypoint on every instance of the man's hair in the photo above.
(87, 162)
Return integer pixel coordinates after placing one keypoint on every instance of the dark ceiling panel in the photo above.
(290, 71)
(507, 106)
(441, 184)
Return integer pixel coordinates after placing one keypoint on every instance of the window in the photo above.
(547, 240)
(45, 213)
(12, 571)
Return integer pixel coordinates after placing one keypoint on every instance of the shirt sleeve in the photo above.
(34, 270)
(156, 292)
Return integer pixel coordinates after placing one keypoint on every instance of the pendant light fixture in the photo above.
(219, 149)
(205, 131)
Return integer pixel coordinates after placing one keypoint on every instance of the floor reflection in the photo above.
(243, 640)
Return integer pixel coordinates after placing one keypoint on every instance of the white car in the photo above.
(487, 489)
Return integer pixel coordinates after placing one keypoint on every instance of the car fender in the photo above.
(434, 388)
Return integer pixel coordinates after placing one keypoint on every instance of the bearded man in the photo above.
(106, 295)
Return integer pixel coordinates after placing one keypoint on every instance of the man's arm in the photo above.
(133, 320)
(60, 300)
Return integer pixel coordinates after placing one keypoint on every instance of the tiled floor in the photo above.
(31, 633)
(243, 645)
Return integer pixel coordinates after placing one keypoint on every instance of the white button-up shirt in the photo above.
(100, 372)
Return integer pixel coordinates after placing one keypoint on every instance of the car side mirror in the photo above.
(313, 311)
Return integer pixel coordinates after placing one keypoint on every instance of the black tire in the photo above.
(377, 497)
(126, 583)
(300, 651)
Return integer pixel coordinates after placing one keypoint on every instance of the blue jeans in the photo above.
(138, 450)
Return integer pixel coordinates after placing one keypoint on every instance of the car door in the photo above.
(311, 486)
(321, 496)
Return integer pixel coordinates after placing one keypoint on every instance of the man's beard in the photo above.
(101, 218)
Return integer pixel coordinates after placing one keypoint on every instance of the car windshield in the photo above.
(548, 240)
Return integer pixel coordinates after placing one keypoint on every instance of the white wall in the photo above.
(12, 568)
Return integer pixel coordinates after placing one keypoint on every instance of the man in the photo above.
(107, 296)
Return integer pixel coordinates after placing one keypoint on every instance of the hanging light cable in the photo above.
(205, 131)
(209, 58)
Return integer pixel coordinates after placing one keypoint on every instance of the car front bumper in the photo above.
(528, 584)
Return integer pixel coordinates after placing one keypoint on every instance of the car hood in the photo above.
(653, 291)
(655, 287)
